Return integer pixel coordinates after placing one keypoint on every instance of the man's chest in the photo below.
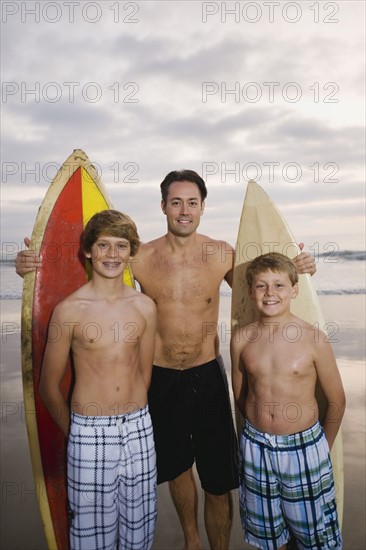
(165, 279)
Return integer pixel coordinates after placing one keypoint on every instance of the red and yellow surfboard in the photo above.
(74, 196)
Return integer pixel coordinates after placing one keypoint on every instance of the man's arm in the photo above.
(230, 262)
(53, 368)
(304, 262)
(147, 342)
(26, 260)
(331, 383)
(238, 377)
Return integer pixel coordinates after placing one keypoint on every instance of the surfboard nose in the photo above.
(255, 195)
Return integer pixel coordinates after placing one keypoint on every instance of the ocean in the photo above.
(342, 272)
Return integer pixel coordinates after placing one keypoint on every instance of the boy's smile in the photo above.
(110, 255)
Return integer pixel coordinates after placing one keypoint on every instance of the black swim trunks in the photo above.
(192, 421)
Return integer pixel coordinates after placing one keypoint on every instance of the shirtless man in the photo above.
(287, 481)
(111, 461)
(188, 398)
(183, 276)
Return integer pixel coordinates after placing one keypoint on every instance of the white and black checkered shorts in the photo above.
(112, 481)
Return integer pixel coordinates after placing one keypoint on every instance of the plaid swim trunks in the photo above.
(111, 475)
(286, 488)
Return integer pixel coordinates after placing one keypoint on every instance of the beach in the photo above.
(21, 527)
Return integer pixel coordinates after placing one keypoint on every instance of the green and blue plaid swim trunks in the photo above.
(287, 488)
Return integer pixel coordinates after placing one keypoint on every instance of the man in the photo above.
(183, 279)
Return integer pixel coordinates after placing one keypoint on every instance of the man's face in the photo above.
(183, 208)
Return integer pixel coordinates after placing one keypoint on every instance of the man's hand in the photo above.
(26, 260)
(305, 262)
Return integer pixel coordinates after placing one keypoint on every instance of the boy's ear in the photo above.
(295, 290)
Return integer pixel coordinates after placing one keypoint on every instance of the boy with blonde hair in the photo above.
(287, 487)
(110, 329)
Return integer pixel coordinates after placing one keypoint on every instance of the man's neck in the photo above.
(178, 242)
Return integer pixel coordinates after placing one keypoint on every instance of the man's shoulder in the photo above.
(219, 242)
(148, 248)
(217, 253)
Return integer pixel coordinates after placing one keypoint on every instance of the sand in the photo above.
(21, 527)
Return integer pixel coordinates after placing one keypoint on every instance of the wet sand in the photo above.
(21, 527)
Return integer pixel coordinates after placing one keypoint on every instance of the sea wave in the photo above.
(224, 293)
(17, 295)
(340, 291)
(344, 255)
(11, 295)
(321, 291)
(332, 256)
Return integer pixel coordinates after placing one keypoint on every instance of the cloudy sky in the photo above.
(234, 90)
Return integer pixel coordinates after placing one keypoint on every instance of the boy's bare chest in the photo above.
(278, 357)
(108, 326)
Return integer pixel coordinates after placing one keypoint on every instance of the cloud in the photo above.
(129, 89)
